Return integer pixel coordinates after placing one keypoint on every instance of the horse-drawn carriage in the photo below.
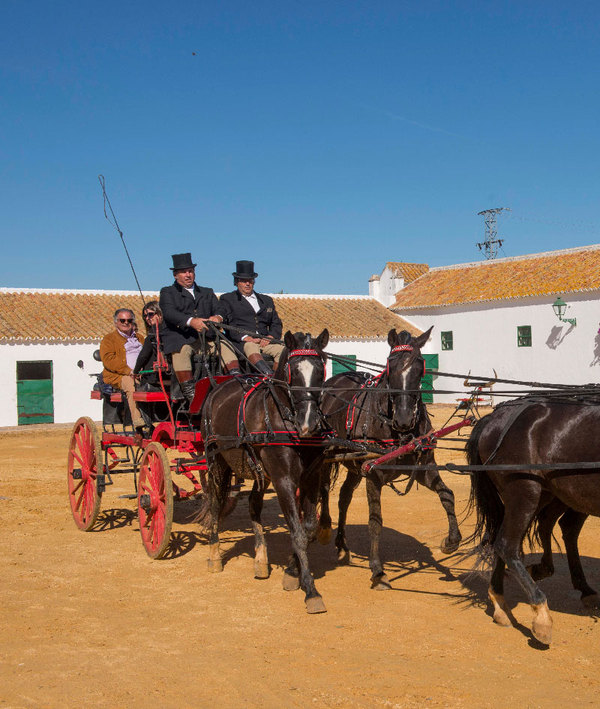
(293, 429)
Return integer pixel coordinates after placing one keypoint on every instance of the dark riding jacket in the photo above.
(240, 313)
(178, 307)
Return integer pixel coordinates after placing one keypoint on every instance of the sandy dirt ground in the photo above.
(87, 619)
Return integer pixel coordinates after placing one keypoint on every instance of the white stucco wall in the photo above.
(485, 338)
(368, 350)
(71, 385)
(387, 288)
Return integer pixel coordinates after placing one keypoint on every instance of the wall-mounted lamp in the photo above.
(560, 307)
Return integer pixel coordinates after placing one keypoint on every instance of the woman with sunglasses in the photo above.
(153, 319)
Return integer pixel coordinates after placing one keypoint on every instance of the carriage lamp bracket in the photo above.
(560, 307)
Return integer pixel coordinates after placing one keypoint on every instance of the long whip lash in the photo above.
(114, 223)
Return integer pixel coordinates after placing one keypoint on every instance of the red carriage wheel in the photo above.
(85, 476)
(155, 500)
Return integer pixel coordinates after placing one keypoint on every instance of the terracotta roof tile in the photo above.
(68, 316)
(548, 273)
(408, 271)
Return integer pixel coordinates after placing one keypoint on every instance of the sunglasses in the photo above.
(149, 314)
(124, 320)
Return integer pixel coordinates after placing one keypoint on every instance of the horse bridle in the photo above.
(307, 395)
(396, 349)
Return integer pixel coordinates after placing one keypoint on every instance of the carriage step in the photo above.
(101, 483)
(131, 496)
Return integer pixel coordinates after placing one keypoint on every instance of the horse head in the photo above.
(303, 366)
(404, 370)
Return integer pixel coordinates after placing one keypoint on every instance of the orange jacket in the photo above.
(112, 353)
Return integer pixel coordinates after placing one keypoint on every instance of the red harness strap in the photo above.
(242, 407)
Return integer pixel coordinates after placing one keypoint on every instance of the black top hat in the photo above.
(244, 269)
(182, 261)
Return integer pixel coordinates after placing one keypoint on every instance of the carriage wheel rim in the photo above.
(85, 455)
(156, 487)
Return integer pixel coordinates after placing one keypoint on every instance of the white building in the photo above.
(498, 316)
(48, 337)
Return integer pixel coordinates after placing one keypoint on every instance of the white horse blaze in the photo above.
(306, 369)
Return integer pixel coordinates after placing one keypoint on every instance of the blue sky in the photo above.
(318, 138)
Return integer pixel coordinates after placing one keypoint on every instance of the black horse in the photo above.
(270, 428)
(537, 431)
(385, 411)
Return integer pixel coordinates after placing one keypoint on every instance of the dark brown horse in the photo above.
(535, 431)
(271, 428)
(383, 411)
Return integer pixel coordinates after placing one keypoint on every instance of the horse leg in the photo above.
(324, 528)
(571, 524)
(496, 594)
(351, 482)
(287, 499)
(521, 499)
(432, 480)
(217, 482)
(546, 520)
(379, 580)
(261, 559)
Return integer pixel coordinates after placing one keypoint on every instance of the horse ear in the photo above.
(422, 339)
(322, 339)
(289, 339)
(392, 337)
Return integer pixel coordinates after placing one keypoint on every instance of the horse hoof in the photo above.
(324, 535)
(448, 547)
(381, 583)
(315, 605)
(344, 557)
(542, 623)
(591, 601)
(261, 571)
(501, 619)
(290, 583)
(215, 566)
(542, 632)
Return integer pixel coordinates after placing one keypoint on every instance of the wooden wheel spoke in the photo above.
(76, 487)
(78, 459)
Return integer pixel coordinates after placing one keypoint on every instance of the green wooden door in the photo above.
(432, 364)
(35, 395)
(347, 364)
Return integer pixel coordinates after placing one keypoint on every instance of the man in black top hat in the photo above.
(186, 307)
(255, 312)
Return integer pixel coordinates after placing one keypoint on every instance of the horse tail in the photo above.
(484, 497)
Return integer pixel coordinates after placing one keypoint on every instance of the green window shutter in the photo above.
(432, 363)
(524, 336)
(347, 363)
(447, 340)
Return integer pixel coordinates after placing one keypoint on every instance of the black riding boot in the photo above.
(262, 366)
(188, 389)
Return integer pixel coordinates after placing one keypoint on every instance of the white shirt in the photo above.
(253, 300)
